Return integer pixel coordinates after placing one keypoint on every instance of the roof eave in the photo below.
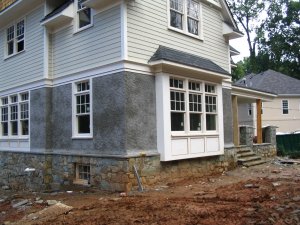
(161, 65)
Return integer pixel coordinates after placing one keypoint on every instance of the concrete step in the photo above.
(254, 163)
(245, 154)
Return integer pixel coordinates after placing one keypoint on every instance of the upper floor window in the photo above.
(185, 16)
(285, 107)
(15, 38)
(84, 15)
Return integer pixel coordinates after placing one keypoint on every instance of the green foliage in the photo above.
(281, 37)
(277, 37)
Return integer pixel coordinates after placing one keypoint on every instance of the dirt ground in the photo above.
(265, 194)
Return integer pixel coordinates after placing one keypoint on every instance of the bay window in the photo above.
(186, 102)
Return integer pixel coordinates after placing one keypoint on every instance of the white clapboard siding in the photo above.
(89, 48)
(28, 65)
(148, 28)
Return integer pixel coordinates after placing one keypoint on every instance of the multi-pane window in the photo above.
(249, 109)
(185, 15)
(176, 13)
(177, 97)
(24, 111)
(15, 38)
(4, 116)
(15, 115)
(83, 112)
(193, 17)
(84, 15)
(195, 106)
(285, 107)
(211, 107)
(186, 102)
(83, 174)
(20, 36)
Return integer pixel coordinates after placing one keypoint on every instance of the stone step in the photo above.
(244, 149)
(254, 163)
(248, 159)
(245, 154)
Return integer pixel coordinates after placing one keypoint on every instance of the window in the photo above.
(15, 38)
(185, 16)
(15, 115)
(82, 109)
(249, 109)
(84, 15)
(211, 107)
(24, 111)
(285, 107)
(4, 116)
(83, 174)
(186, 102)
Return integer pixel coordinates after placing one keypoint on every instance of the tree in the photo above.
(280, 41)
(247, 12)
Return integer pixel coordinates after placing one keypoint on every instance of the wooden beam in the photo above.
(259, 122)
(235, 112)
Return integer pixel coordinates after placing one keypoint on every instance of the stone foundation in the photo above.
(53, 171)
(265, 150)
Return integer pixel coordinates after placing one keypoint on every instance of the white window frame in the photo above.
(187, 112)
(249, 109)
(18, 113)
(77, 11)
(185, 17)
(15, 40)
(75, 93)
(285, 106)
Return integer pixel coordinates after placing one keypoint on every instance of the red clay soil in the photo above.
(265, 194)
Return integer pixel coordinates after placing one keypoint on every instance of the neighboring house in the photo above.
(283, 111)
(97, 82)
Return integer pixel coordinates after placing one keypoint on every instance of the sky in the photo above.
(241, 45)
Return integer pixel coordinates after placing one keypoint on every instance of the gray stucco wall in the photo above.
(124, 119)
(140, 112)
(40, 120)
(228, 120)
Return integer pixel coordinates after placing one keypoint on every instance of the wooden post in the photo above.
(259, 122)
(235, 112)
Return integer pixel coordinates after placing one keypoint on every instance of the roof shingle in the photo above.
(172, 55)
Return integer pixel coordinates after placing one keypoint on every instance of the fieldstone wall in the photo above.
(152, 171)
(53, 171)
(265, 150)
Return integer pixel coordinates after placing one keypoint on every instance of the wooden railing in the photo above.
(5, 3)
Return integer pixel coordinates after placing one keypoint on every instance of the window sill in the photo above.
(196, 134)
(199, 37)
(83, 29)
(14, 138)
(13, 55)
(81, 182)
(82, 137)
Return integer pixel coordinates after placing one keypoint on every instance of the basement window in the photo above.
(83, 174)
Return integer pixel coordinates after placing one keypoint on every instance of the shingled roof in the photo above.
(271, 81)
(172, 55)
